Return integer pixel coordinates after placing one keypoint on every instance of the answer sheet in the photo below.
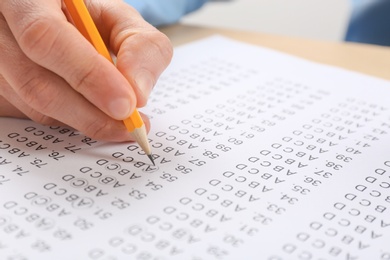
(259, 155)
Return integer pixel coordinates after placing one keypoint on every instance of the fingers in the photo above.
(12, 106)
(8, 110)
(142, 51)
(53, 75)
(46, 98)
(48, 39)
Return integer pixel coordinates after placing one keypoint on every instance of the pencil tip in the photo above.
(151, 158)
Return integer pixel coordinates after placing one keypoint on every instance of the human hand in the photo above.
(52, 75)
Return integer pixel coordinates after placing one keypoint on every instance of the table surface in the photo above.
(369, 59)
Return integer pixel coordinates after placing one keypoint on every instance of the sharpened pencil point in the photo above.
(151, 158)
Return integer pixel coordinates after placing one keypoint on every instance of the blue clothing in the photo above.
(370, 22)
(162, 12)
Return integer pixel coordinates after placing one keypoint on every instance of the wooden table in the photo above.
(369, 59)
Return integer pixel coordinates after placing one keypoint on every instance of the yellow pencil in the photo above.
(84, 23)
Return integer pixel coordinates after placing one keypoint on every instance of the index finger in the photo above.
(142, 51)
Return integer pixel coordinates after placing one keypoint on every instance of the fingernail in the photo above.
(120, 108)
(144, 82)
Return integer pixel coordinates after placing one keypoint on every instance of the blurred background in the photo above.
(315, 19)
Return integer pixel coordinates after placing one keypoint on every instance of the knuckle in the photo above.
(4, 86)
(36, 92)
(83, 78)
(41, 118)
(5, 34)
(161, 46)
(97, 129)
(165, 47)
(39, 38)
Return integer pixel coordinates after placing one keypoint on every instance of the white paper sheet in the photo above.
(260, 155)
